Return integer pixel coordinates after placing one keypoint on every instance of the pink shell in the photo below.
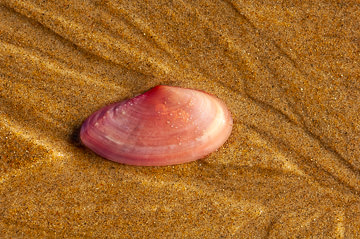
(164, 126)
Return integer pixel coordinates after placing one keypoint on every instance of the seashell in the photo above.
(164, 126)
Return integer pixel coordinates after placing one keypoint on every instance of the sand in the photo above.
(288, 70)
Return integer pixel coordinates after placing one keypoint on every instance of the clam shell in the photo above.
(164, 126)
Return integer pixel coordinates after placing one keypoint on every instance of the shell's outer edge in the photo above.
(92, 131)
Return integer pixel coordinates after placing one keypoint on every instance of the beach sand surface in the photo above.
(289, 71)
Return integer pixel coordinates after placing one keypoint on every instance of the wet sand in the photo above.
(288, 71)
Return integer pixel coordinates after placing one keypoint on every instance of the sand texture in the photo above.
(289, 72)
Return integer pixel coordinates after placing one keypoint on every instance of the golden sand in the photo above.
(289, 72)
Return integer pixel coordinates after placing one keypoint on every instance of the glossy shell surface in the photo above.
(164, 126)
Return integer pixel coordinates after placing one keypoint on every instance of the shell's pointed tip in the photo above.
(165, 127)
(162, 87)
(155, 89)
